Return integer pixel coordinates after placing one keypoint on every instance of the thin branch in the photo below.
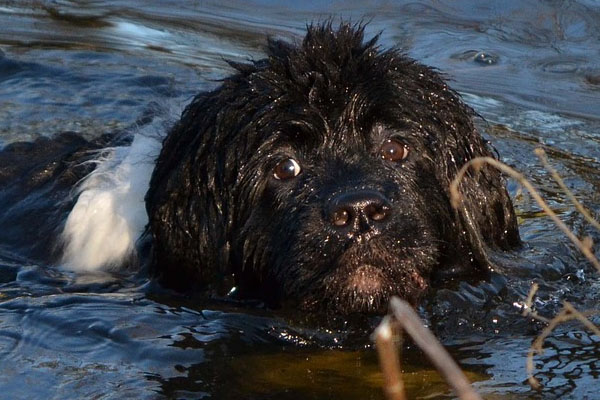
(528, 305)
(389, 361)
(581, 317)
(478, 162)
(537, 345)
(568, 312)
(586, 214)
(408, 319)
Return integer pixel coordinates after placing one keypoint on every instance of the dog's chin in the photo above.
(365, 281)
(365, 289)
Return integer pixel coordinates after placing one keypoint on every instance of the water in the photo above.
(531, 68)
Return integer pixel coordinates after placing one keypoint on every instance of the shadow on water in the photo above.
(530, 68)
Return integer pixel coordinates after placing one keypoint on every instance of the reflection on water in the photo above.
(531, 68)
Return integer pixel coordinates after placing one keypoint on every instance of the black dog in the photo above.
(320, 176)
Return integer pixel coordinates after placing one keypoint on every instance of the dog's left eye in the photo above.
(287, 169)
(393, 150)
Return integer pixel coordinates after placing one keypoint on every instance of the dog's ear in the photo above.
(186, 205)
(485, 217)
(191, 202)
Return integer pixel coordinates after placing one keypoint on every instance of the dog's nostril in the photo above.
(363, 205)
(376, 213)
(341, 217)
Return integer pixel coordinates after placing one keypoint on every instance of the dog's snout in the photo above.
(357, 209)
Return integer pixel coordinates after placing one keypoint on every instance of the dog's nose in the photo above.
(358, 210)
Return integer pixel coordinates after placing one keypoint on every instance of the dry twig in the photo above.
(586, 214)
(478, 162)
(389, 360)
(528, 305)
(568, 312)
(409, 321)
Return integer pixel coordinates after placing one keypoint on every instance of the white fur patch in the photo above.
(110, 215)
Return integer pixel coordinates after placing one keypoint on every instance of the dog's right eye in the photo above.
(393, 150)
(286, 169)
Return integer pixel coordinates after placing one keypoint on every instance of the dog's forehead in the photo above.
(336, 90)
(305, 138)
(357, 119)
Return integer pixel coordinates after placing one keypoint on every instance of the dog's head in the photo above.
(321, 175)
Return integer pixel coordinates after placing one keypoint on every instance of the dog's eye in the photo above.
(393, 150)
(286, 169)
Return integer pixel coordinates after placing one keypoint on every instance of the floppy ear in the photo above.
(185, 201)
(191, 200)
(485, 217)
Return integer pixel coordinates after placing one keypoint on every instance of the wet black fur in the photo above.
(330, 102)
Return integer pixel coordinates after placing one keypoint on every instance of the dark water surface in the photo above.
(531, 68)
